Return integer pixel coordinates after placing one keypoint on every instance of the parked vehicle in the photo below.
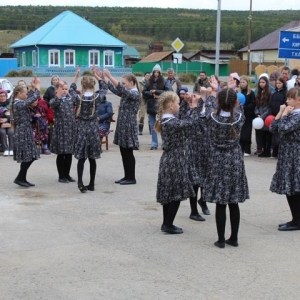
(6, 85)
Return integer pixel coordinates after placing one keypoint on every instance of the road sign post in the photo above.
(289, 45)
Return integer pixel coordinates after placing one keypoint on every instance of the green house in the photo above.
(68, 41)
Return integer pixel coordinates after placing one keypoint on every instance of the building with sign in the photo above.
(265, 50)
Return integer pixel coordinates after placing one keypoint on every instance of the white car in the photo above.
(6, 85)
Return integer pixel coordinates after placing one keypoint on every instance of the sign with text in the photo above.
(289, 45)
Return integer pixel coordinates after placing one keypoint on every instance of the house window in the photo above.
(34, 58)
(69, 58)
(109, 59)
(24, 59)
(54, 58)
(94, 58)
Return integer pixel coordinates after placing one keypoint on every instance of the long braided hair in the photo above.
(18, 89)
(87, 83)
(227, 100)
(164, 99)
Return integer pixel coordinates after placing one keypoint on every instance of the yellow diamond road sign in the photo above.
(177, 45)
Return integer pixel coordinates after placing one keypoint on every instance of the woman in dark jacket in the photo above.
(155, 86)
(263, 135)
(249, 106)
(278, 98)
(50, 92)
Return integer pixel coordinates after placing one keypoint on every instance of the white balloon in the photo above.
(258, 123)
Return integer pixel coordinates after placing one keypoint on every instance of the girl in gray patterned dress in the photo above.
(25, 151)
(126, 134)
(193, 145)
(286, 180)
(87, 138)
(64, 127)
(174, 184)
(226, 181)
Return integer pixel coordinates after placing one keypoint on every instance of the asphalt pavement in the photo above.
(57, 243)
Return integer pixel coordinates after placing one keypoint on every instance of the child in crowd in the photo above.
(173, 184)
(226, 182)
(62, 142)
(249, 106)
(126, 135)
(286, 179)
(87, 138)
(25, 150)
(105, 112)
(39, 124)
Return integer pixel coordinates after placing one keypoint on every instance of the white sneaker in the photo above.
(6, 153)
(246, 154)
(11, 153)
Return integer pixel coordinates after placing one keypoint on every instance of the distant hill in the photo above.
(140, 26)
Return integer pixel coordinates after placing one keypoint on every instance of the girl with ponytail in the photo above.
(87, 139)
(25, 150)
(226, 181)
(174, 183)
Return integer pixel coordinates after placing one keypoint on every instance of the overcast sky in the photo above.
(196, 4)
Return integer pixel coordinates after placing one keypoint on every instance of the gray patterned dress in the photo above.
(24, 146)
(87, 137)
(286, 179)
(126, 134)
(194, 146)
(64, 124)
(174, 182)
(226, 180)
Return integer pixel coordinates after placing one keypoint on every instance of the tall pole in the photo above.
(249, 38)
(218, 38)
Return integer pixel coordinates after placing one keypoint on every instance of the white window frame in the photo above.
(33, 58)
(109, 53)
(92, 53)
(65, 58)
(53, 52)
(23, 59)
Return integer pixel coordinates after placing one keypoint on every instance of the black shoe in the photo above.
(232, 243)
(63, 180)
(257, 152)
(90, 187)
(204, 207)
(197, 217)
(171, 229)
(153, 148)
(220, 245)
(70, 179)
(140, 133)
(128, 181)
(82, 188)
(287, 223)
(21, 183)
(288, 227)
(30, 184)
(118, 181)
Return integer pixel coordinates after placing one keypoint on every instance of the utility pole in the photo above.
(218, 39)
(249, 38)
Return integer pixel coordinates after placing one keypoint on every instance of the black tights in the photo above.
(80, 168)
(170, 211)
(63, 164)
(294, 203)
(221, 221)
(23, 170)
(193, 202)
(128, 163)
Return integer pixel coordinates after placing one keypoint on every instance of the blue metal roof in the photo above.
(69, 29)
